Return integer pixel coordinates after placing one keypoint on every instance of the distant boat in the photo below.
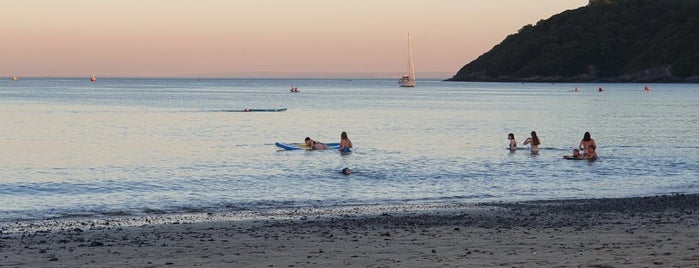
(408, 80)
(15, 78)
(93, 78)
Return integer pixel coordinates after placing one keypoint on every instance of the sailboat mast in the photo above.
(408, 80)
(411, 70)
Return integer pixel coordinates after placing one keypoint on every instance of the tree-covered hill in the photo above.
(607, 40)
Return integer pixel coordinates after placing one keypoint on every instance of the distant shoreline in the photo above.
(688, 80)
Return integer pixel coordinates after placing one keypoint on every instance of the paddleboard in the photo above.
(256, 110)
(568, 157)
(303, 146)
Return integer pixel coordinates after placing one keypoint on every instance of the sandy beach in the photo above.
(660, 231)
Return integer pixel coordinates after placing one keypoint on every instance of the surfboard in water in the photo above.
(254, 110)
(303, 146)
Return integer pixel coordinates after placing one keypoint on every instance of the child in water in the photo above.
(576, 154)
(590, 153)
(513, 142)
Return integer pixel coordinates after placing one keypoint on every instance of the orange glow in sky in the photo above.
(267, 38)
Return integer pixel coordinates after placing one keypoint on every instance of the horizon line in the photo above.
(261, 75)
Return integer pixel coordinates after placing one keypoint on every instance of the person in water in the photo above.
(513, 142)
(590, 153)
(534, 143)
(576, 154)
(586, 142)
(346, 171)
(345, 142)
(315, 145)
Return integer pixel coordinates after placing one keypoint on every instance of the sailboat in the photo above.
(408, 80)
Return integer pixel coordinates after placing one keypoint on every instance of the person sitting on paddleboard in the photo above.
(315, 145)
(345, 142)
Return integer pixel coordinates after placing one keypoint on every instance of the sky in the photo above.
(256, 38)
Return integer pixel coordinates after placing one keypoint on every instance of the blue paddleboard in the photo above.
(303, 146)
(254, 110)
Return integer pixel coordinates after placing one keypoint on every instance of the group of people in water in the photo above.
(345, 147)
(587, 146)
(532, 141)
(345, 143)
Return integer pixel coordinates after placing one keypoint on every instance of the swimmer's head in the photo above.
(346, 171)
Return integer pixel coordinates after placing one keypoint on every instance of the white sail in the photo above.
(408, 80)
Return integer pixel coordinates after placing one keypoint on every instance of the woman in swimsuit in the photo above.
(534, 141)
(315, 145)
(345, 142)
(586, 142)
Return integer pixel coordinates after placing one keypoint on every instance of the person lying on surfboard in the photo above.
(315, 145)
(576, 154)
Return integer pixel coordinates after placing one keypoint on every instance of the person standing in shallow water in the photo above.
(345, 142)
(513, 142)
(586, 142)
(534, 143)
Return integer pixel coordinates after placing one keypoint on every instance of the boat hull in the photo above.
(407, 83)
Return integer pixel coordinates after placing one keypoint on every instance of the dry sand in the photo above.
(660, 231)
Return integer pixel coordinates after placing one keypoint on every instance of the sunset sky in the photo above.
(265, 38)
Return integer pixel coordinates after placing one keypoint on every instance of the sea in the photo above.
(131, 147)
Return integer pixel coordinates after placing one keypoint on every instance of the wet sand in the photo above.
(661, 231)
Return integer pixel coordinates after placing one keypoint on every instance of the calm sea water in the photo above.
(69, 147)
